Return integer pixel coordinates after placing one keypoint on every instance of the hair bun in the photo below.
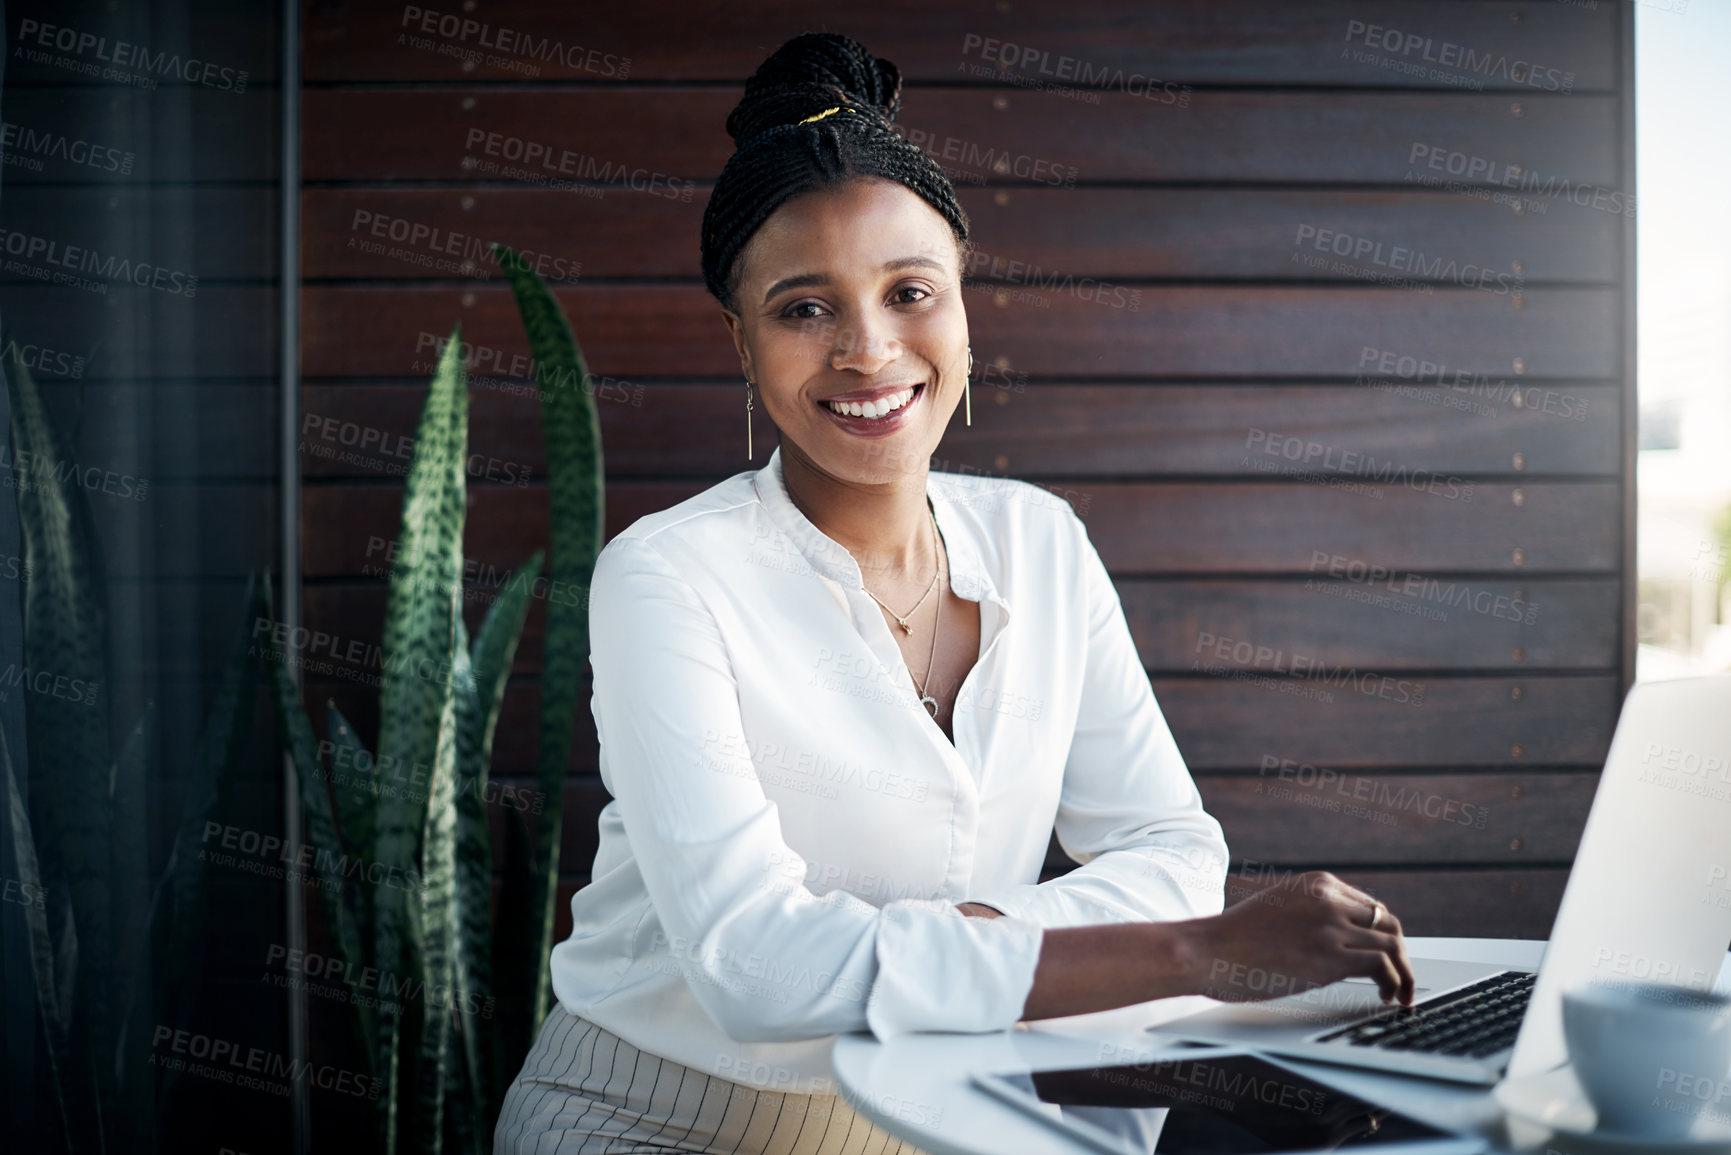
(812, 72)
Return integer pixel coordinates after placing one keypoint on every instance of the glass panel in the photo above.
(139, 212)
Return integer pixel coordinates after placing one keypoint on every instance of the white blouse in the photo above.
(790, 830)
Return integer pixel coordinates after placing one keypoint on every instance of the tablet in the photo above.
(1224, 1104)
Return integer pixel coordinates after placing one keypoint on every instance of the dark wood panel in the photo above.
(1192, 41)
(631, 332)
(1222, 233)
(1138, 527)
(1395, 622)
(1471, 428)
(1464, 624)
(1484, 903)
(1366, 719)
(1299, 812)
(648, 137)
(1025, 237)
(1151, 527)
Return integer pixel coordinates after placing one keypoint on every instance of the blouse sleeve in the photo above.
(1128, 810)
(709, 846)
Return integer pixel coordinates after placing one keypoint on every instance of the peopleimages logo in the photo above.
(1013, 58)
(1458, 57)
(55, 259)
(33, 34)
(252, 1067)
(28, 147)
(511, 42)
(1357, 788)
(1401, 259)
(1469, 170)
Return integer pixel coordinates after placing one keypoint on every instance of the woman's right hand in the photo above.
(1307, 931)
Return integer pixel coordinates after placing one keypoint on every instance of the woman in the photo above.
(843, 700)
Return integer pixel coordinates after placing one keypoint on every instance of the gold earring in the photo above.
(748, 418)
(968, 388)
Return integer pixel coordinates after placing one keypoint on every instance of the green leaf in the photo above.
(575, 486)
(177, 904)
(495, 647)
(417, 709)
(52, 1007)
(479, 699)
(353, 782)
(342, 905)
(391, 1047)
(65, 642)
(437, 894)
(473, 864)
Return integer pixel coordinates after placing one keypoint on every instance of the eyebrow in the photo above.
(805, 279)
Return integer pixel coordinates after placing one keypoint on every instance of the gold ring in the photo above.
(1375, 916)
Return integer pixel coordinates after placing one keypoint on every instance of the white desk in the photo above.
(917, 1086)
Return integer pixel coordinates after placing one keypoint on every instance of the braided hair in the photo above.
(777, 157)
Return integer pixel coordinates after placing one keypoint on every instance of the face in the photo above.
(854, 295)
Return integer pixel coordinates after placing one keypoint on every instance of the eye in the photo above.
(792, 311)
(920, 289)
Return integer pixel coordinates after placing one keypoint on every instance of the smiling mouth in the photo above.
(876, 410)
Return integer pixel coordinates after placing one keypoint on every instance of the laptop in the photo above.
(1648, 900)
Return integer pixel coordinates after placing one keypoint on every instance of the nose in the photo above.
(865, 346)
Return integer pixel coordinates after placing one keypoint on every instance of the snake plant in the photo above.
(442, 1059)
(109, 958)
(443, 1066)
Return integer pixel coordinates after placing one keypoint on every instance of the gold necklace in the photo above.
(901, 619)
(926, 699)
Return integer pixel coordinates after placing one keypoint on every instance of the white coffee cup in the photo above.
(1651, 1057)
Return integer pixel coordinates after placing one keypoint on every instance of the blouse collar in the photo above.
(969, 577)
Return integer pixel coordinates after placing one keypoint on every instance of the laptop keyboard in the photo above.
(1474, 1021)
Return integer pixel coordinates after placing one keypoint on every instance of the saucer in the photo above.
(1554, 1100)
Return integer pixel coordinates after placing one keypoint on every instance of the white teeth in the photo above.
(871, 409)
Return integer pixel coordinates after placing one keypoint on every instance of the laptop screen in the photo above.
(1649, 896)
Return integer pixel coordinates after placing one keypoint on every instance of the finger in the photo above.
(1357, 910)
(1376, 964)
(1394, 942)
(1365, 903)
(1403, 964)
(1393, 947)
(1343, 896)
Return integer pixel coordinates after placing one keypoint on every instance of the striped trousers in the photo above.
(585, 1091)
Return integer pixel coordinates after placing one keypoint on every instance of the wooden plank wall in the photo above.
(1317, 313)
